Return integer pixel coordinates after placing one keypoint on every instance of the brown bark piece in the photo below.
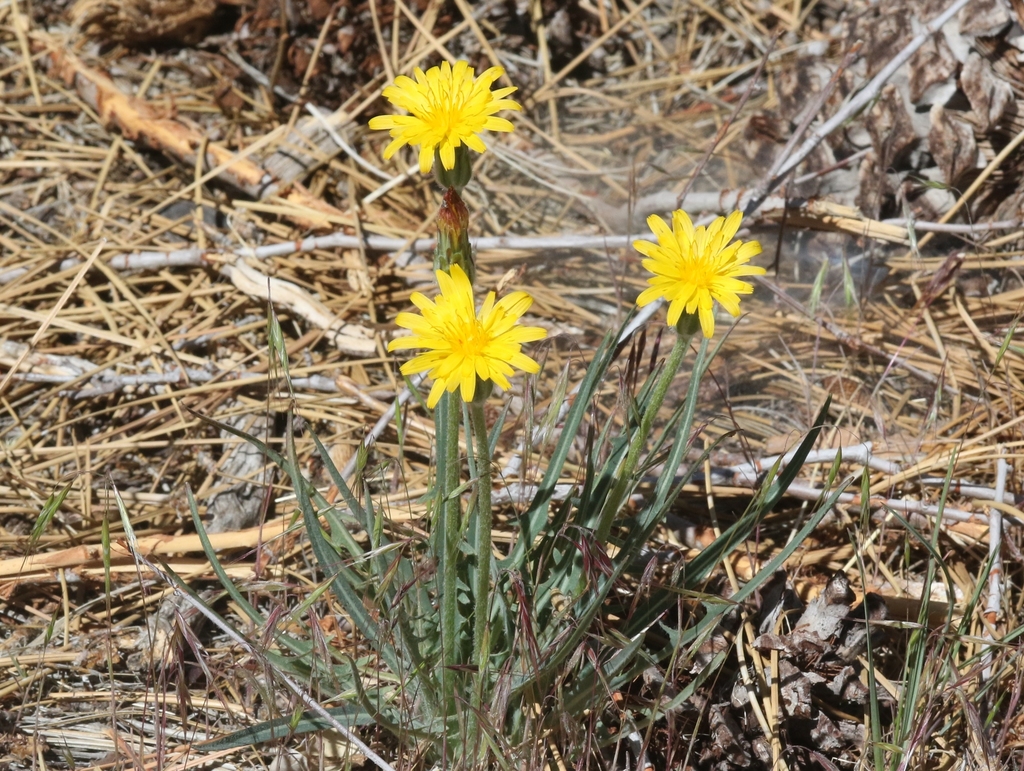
(137, 120)
(952, 144)
(729, 746)
(796, 689)
(984, 18)
(827, 736)
(825, 613)
(144, 22)
(890, 127)
(989, 96)
(884, 31)
(874, 188)
(933, 63)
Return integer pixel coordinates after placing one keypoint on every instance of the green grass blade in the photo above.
(339, 481)
(284, 727)
(46, 515)
(225, 580)
(533, 521)
(342, 582)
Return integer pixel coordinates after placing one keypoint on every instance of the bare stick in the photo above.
(995, 571)
(52, 314)
(724, 202)
(819, 102)
(970, 229)
(994, 164)
(747, 473)
(382, 422)
(339, 140)
(56, 369)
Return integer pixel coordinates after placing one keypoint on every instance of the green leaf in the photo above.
(533, 521)
(46, 515)
(777, 489)
(816, 289)
(286, 727)
(343, 581)
(277, 347)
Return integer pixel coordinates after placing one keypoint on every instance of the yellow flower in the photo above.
(692, 267)
(448, 108)
(463, 345)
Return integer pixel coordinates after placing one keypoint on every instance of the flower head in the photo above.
(462, 344)
(692, 267)
(447, 108)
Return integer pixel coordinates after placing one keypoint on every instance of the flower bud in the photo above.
(453, 236)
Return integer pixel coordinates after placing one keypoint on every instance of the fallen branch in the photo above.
(819, 212)
(59, 369)
(348, 338)
(91, 555)
(138, 120)
(742, 476)
(746, 474)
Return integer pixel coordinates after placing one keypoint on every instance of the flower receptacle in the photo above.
(459, 175)
(688, 325)
(483, 390)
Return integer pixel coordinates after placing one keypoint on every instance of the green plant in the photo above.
(544, 597)
(469, 649)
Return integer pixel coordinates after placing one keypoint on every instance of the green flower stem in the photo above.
(482, 590)
(482, 594)
(668, 373)
(449, 411)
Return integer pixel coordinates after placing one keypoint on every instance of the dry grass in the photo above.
(109, 152)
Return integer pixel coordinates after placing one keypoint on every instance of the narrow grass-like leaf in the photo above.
(282, 727)
(933, 554)
(777, 489)
(683, 429)
(536, 516)
(586, 681)
(499, 424)
(105, 551)
(696, 573)
(277, 347)
(225, 580)
(849, 287)
(331, 563)
(917, 655)
(46, 515)
(875, 714)
(1007, 339)
(819, 284)
(263, 447)
(339, 481)
(285, 465)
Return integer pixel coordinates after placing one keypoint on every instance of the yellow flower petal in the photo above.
(464, 344)
(447, 107)
(435, 393)
(693, 267)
